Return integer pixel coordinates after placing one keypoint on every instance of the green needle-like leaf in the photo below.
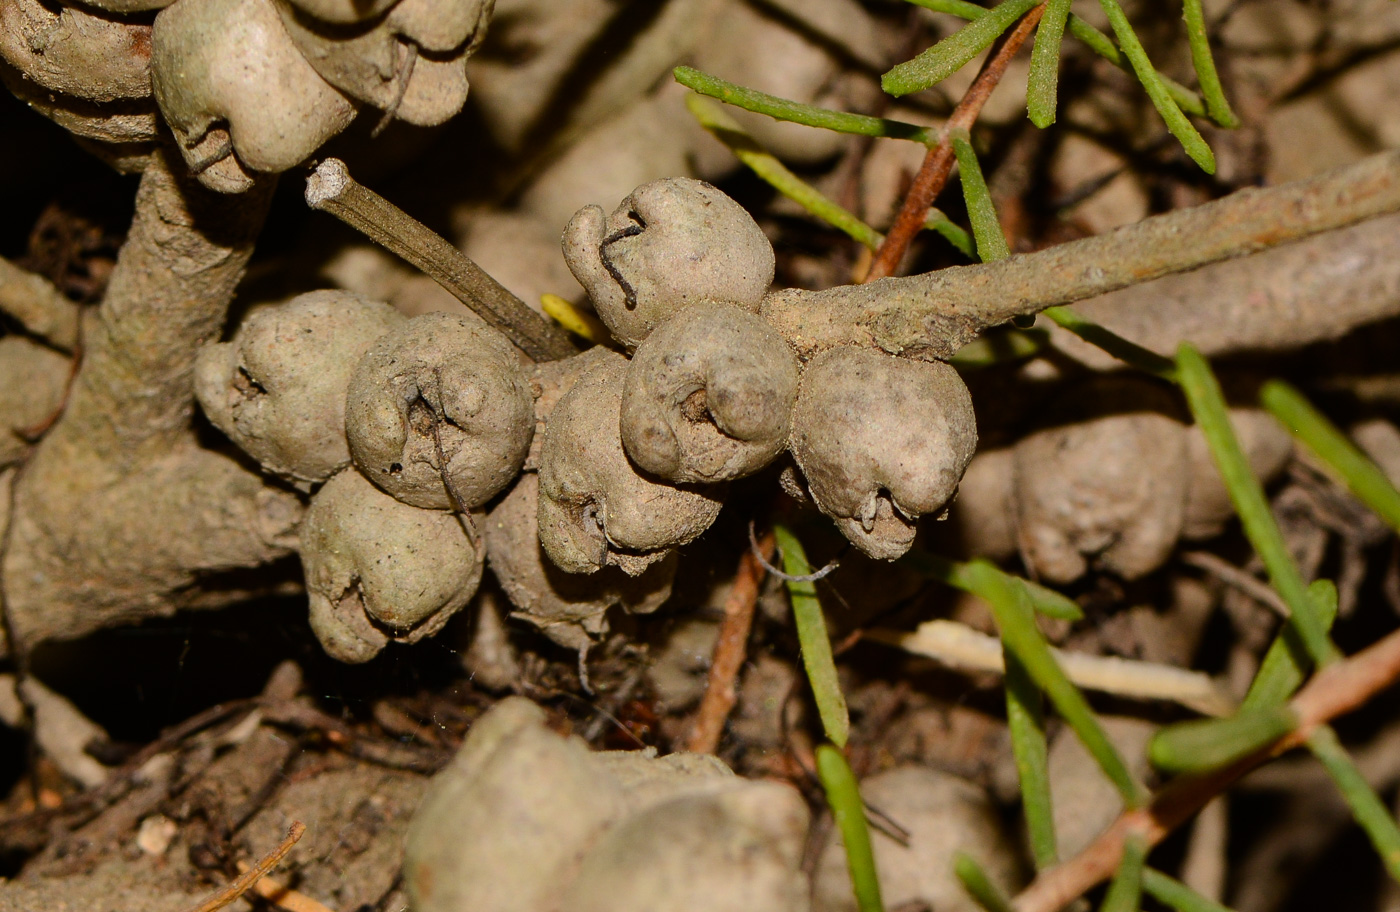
(940, 224)
(978, 885)
(1366, 806)
(1174, 893)
(965, 577)
(727, 130)
(1206, 744)
(811, 634)
(1025, 717)
(1208, 405)
(991, 242)
(1042, 88)
(796, 112)
(950, 55)
(1362, 476)
(1216, 103)
(1177, 123)
(1286, 663)
(1100, 337)
(849, 814)
(1125, 891)
(1021, 637)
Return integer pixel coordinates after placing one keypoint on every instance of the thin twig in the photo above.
(331, 188)
(730, 649)
(1337, 689)
(245, 881)
(938, 163)
(1242, 580)
(931, 316)
(283, 896)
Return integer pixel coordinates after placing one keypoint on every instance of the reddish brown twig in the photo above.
(1336, 690)
(245, 881)
(938, 163)
(730, 650)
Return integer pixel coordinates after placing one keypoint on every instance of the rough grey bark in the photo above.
(119, 511)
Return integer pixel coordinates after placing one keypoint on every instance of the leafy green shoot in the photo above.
(763, 163)
(963, 576)
(1125, 890)
(1042, 88)
(1151, 80)
(1207, 744)
(952, 53)
(811, 634)
(796, 112)
(1216, 103)
(1286, 663)
(1366, 806)
(1172, 892)
(1020, 636)
(1087, 34)
(1352, 467)
(1128, 352)
(991, 242)
(978, 885)
(1208, 406)
(954, 234)
(1025, 717)
(849, 812)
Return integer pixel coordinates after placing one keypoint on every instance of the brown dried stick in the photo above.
(1336, 690)
(730, 649)
(245, 881)
(931, 316)
(938, 163)
(331, 189)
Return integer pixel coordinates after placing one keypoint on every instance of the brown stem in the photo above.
(938, 163)
(1337, 689)
(331, 188)
(245, 881)
(730, 649)
(931, 316)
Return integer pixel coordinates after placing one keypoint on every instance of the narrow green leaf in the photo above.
(727, 130)
(1286, 663)
(1366, 806)
(940, 224)
(1207, 744)
(849, 814)
(1151, 80)
(1208, 405)
(1204, 63)
(1174, 893)
(1042, 88)
(961, 576)
(1025, 717)
(811, 634)
(1125, 891)
(1088, 35)
(978, 885)
(1354, 468)
(796, 112)
(991, 242)
(950, 55)
(1128, 352)
(1011, 606)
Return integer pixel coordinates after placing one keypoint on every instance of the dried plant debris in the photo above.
(881, 441)
(440, 413)
(672, 242)
(278, 387)
(596, 509)
(709, 396)
(379, 570)
(527, 819)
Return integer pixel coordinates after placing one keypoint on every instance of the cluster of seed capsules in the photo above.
(246, 86)
(434, 442)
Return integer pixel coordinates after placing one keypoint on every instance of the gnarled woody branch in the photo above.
(931, 316)
(120, 512)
